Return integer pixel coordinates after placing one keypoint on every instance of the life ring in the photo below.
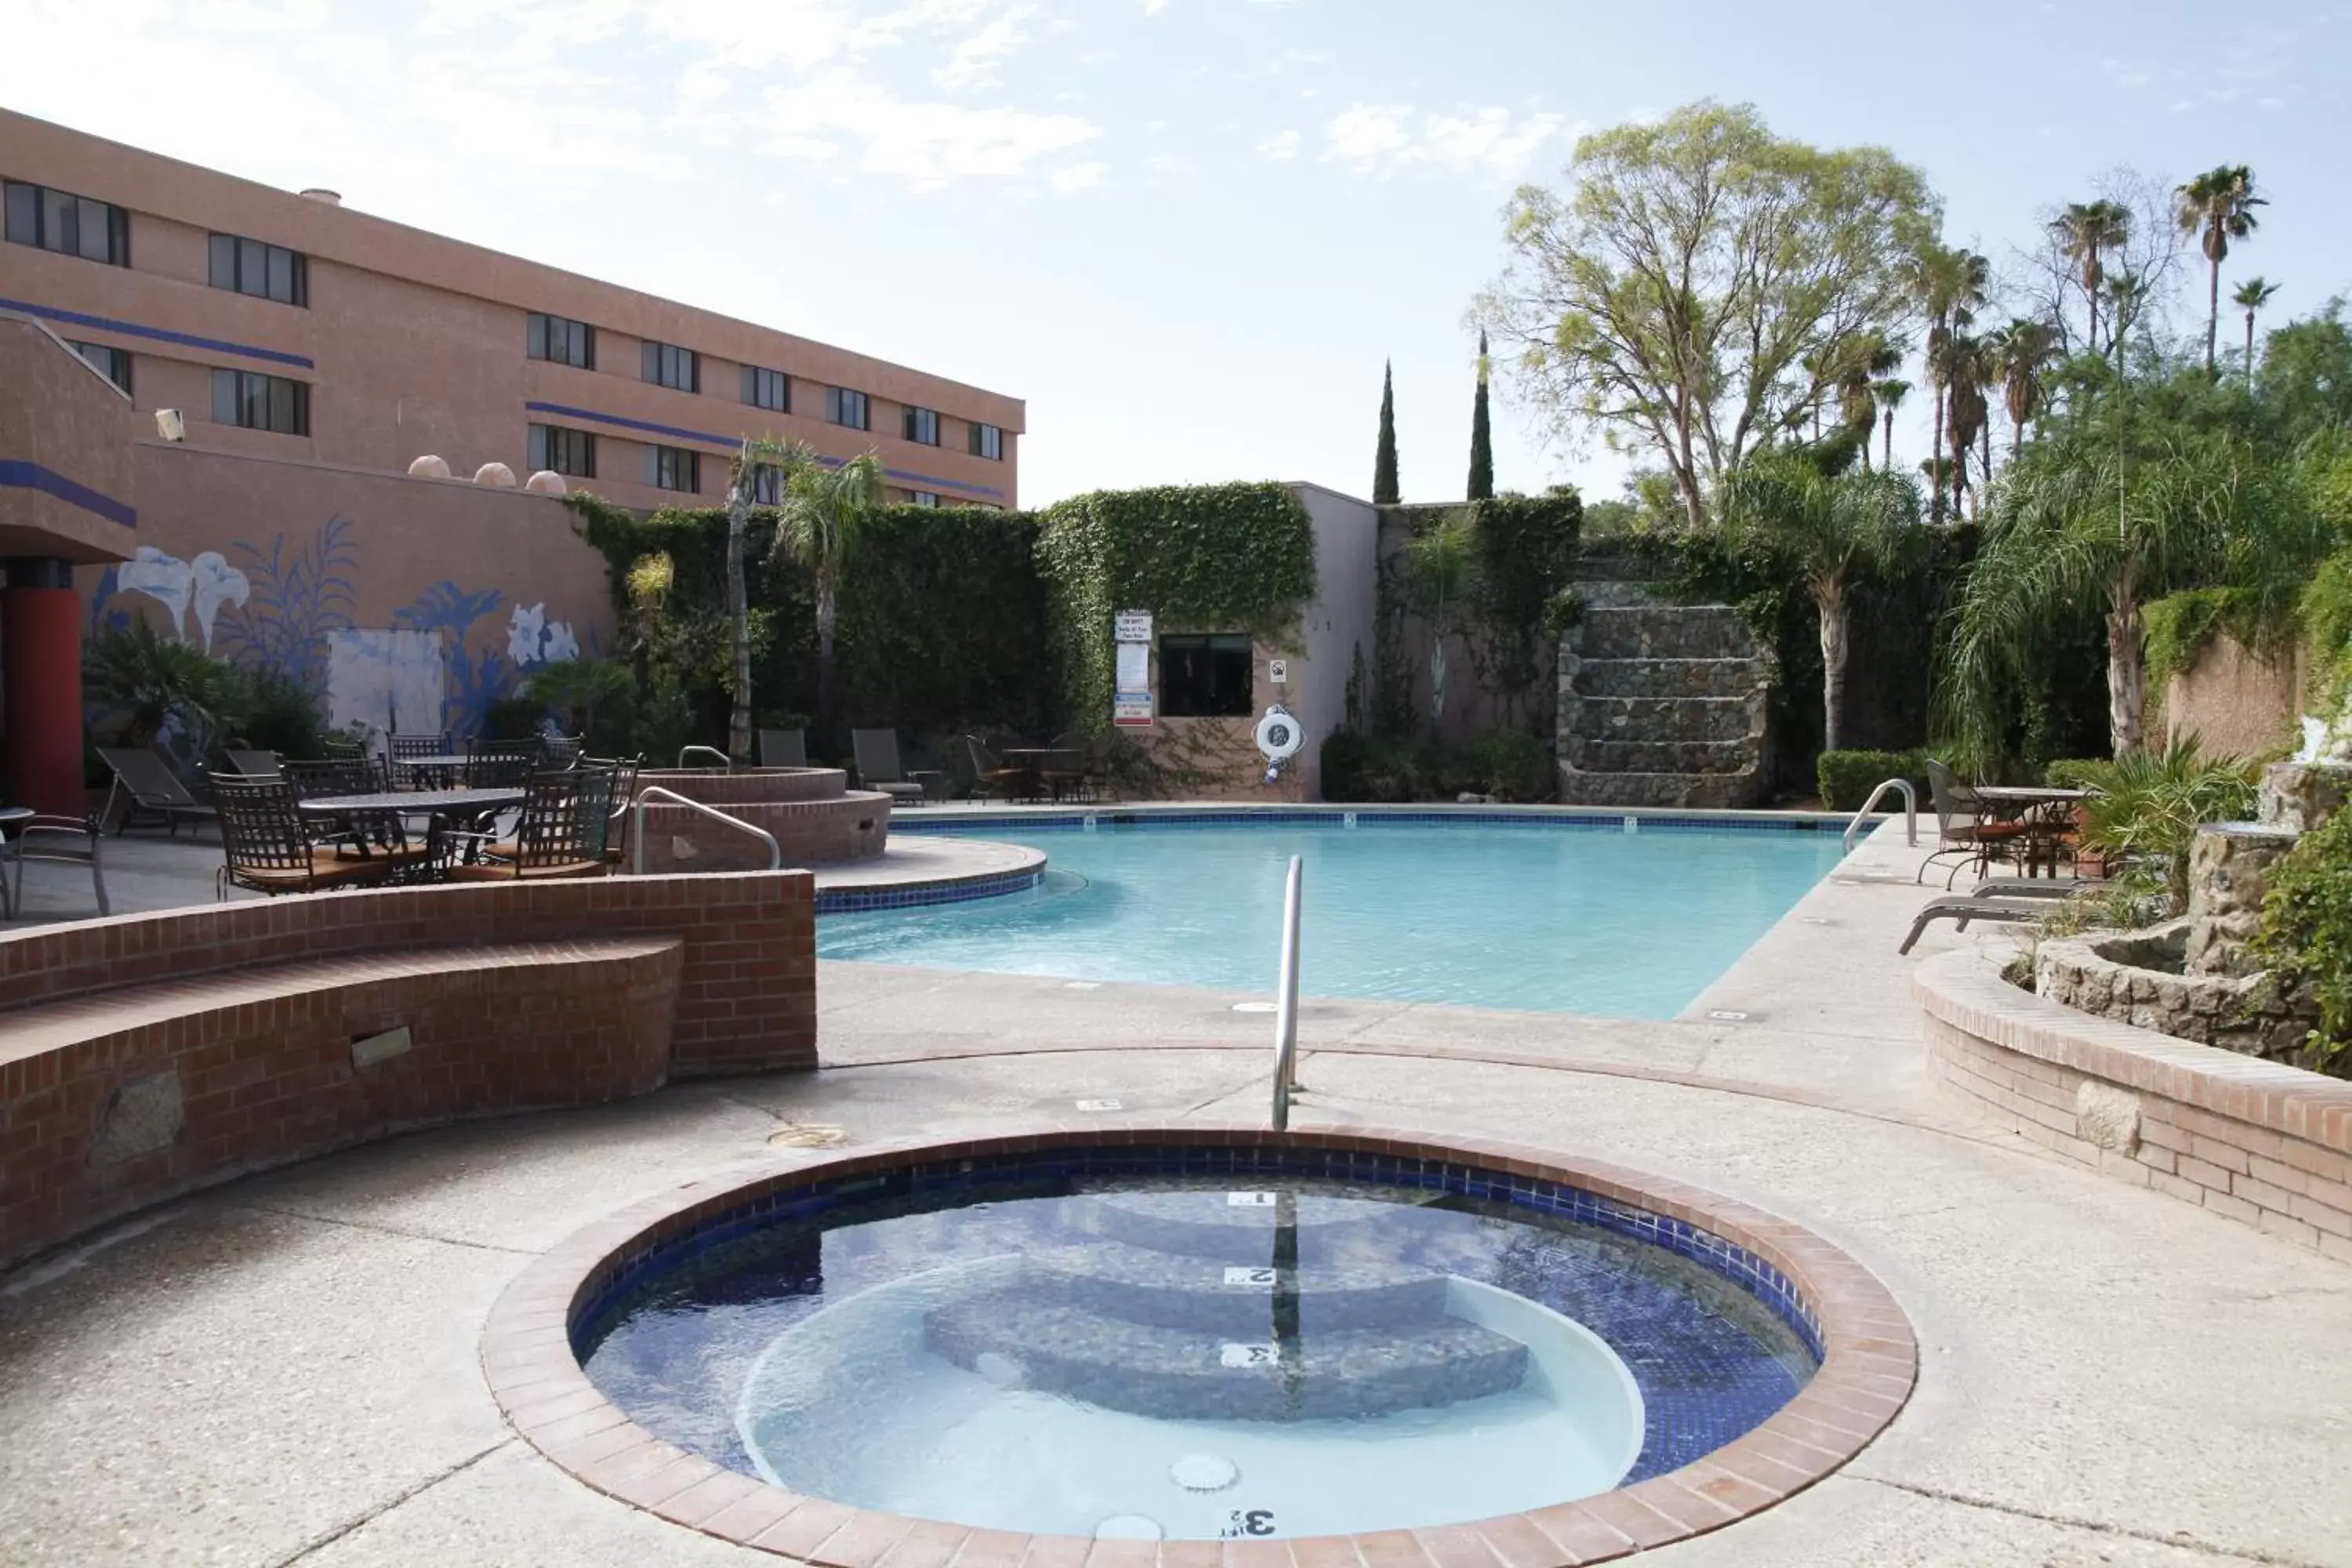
(1279, 735)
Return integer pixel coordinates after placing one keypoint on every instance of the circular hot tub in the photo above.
(1196, 1334)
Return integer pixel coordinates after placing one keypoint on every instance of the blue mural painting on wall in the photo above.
(292, 608)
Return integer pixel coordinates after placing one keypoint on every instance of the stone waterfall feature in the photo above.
(1660, 704)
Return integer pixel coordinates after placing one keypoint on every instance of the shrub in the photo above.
(2306, 935)
(281, 714)
(2073, 773)
(1846, 778)
(2146, 808)
(1513, 764)
(1347, 763)
(513, 718)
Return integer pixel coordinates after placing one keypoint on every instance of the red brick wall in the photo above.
(2256, 1142)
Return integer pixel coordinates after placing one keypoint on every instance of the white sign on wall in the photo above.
(1132, 710)
(1131, 626)
(1134, 667)
(1277, 670)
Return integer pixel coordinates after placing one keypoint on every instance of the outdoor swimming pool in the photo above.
(1547, 915)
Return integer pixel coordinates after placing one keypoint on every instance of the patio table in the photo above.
(451, 807)
(438, 767)
(1038, 761)
(2044, 811)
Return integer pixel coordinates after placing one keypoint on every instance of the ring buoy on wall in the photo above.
(1279, 735)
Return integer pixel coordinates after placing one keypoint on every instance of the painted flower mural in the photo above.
(204, 584)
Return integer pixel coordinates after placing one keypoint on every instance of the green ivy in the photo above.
(2180, 626)
(1228, 558)
(1520, 600)
(2306, 935)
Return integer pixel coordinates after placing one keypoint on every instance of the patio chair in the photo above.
(565, 819)
(68, 840)
(559, 752)
(146, 785)
(992, 776)
(876, 752)
(254, 764)
(784, 748)
(266, 846)
(399, 750)
(618, 821)
(1066, 773)
(1961, 828)
(500, 764)
(337, 775)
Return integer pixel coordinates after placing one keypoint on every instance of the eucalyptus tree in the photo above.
(1834, 532)
(1669, 301)
(761, 460)
(2104, 515)
(2217, 207)
(2085, 232)
(2252, 296)
(824, 512)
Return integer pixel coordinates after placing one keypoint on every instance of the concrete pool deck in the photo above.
(288, 1369)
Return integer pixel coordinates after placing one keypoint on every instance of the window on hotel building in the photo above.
(572, 452)
(920, 425)
(922, 497)
(1205, 677)
(264, 271)
(563, 342)
(666, 365)
(69, 223)
(844, 406)
(112, 363)
(767, 485)
(767, 389)
(260, 401)
(673, 468)
(988, 441)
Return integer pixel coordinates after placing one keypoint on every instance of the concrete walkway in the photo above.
(287, 1370)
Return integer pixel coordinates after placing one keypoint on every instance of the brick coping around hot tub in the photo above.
(2252, 1140)
(1870, 1360)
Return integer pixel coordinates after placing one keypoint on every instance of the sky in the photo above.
(1187, 232)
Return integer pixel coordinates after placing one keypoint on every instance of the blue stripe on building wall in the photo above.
(18, 474)
(160, 334)
(732, 442)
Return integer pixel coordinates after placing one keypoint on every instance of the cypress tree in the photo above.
(1384, 467)
(1482, 448)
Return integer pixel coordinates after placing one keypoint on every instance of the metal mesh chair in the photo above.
(500, 764)
(68, 840)
(559, 751)
(267, 848)
(337, 775)
(624, 797)
(402, 749)
(565, 819)
(784, 748)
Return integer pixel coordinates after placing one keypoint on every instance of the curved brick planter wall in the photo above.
(2257, 1141)
(815, 820)
(150, 1054)
(1869, 1363)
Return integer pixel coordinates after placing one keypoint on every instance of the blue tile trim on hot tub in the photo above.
(857, 900)
(1337, 816)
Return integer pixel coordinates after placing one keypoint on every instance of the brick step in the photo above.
(1670, 677)
(1188, 1374)
(1170, 1290)
(1666, 718)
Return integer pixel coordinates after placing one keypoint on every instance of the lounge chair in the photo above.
(1962, 908)
(877, 767)
(1960, 829)
(146, 785)
(68, 840)
(992, 776)
(784, 748)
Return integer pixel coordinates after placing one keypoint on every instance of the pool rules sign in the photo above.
(1131, 636)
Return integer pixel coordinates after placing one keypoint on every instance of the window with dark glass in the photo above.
(1205, 677)
(767, 485)
(767, 389)
(988, 441)
(666, 365)
(565, 450)
(264, 271)
(259, 402)
(112, 363)
(844, 406)
(920, 425)
(68, 224)
(559, 341)
(673, 468)
(922, 497)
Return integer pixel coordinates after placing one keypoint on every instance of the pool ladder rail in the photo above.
(637, 830)
(1910, 812)
(1285, 1003)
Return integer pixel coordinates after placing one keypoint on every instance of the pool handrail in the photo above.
(637, 834)
(1285, 1002)
(724, 760)
(1910, 812)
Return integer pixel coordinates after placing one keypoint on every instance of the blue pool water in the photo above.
(1546, 916)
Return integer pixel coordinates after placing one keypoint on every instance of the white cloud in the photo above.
(925, 145)
(1074, 177)
(1280, 148)
(975, 61)
(1383, 138)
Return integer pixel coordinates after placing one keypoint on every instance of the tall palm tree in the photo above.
(2252, 296)
(1961, 364)
(824, 511)
(758, 455)
(1948, 286)
(2217, 206)
(2126, 296)
(1836, 531)
(2086, 231)
(2018, 354)
(1867, 360)
(1890, 393)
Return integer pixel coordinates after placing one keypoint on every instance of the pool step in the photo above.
(1021, 1339)
(1236, 1226)
(1175, 1292)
